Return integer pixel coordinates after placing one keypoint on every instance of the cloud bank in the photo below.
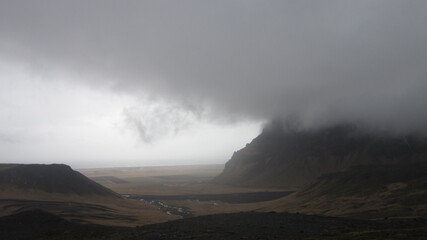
(323, 61)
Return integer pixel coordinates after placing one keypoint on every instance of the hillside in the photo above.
(60, 190)
(375, 191)
(54, 178)
(281, 157)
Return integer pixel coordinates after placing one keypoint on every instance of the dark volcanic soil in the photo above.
(70, 210)
(42, 225)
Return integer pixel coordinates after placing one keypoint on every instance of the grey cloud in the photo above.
(9, 138)
(323, 61)
(156, 121)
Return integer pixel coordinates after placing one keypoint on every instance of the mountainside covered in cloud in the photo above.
(292, 158)
(324, 61)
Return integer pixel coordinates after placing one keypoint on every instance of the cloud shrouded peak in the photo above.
(322, 61)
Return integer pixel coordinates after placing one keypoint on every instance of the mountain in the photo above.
(282, 157)
(59, 190)
(54, 178)
(370, 191)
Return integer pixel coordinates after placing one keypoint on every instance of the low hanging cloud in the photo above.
(324, 61)
(157, 120)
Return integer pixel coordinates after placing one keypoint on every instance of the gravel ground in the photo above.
(250, 225)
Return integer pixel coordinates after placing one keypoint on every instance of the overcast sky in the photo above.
(124, 83)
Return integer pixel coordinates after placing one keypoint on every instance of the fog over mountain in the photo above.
(324, 61)
(321, 62)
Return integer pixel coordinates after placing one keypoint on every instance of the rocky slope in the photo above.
(372, 191)
(281, 157)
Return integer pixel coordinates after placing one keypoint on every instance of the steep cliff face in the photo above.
(286, 158)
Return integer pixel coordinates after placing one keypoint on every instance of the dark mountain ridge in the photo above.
(282, 157)
(53, 178)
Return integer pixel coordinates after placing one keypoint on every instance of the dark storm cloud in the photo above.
(323, 61)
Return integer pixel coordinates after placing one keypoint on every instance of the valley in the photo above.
(195, 120)
(184, 190)
(369, 188)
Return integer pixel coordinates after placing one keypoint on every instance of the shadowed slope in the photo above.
(376, 191)
(54, 178)
(286, 158)
(67, 193)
